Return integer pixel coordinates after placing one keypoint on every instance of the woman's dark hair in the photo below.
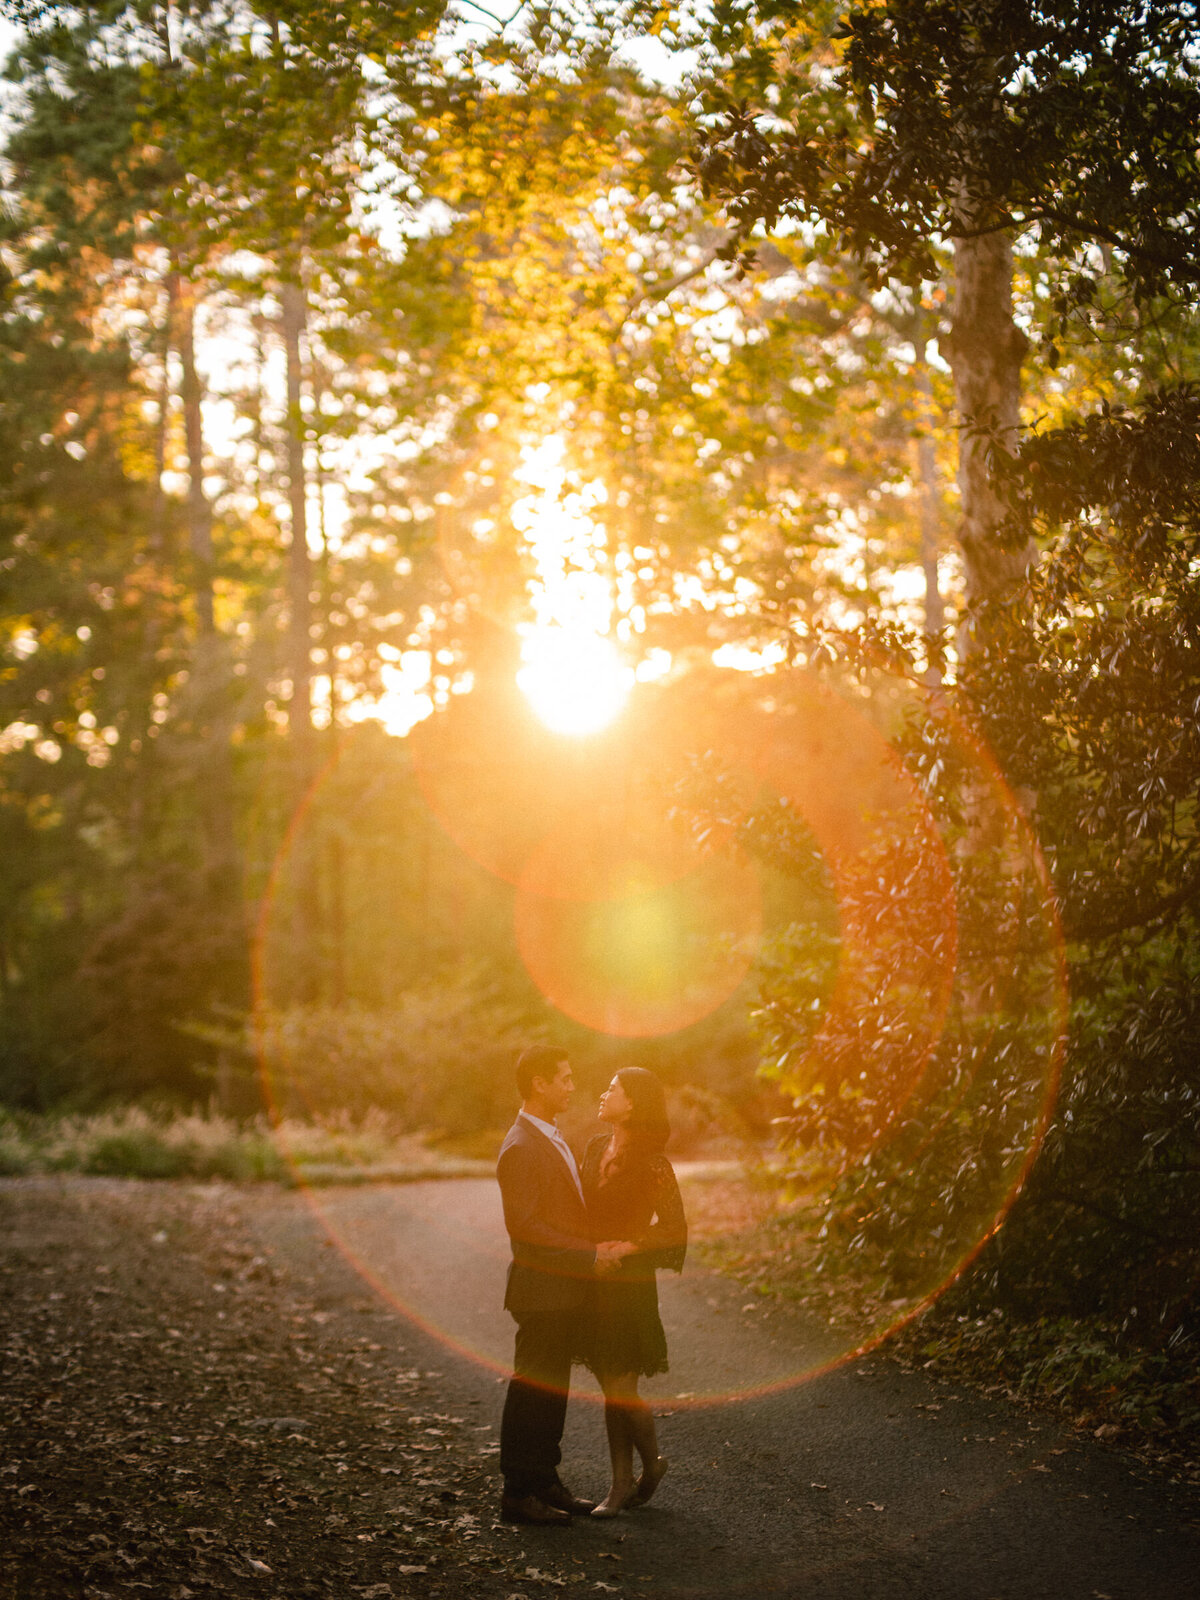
(649, 1127)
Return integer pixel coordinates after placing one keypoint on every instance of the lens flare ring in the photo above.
(530, 825)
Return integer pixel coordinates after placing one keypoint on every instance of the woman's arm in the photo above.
(664, 1242)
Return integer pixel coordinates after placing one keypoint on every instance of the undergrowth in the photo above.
(1144, 1397)
(133, 1142)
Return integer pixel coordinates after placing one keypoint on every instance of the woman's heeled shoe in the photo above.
(604, 1509)
(648, 1482)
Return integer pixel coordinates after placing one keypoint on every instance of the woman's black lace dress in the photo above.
(636, 1199)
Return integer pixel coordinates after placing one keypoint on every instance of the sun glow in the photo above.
(576, 682)
(572, 674)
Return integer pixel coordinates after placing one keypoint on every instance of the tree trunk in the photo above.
(158, 520)
(140, 747)
(305, 955)
(299, 560)
(163, 21)
(986, 352)
(209, 689)
(986, 349)
(334, 910)
(200, 541)
(336, 921)
(931, 518)
(326, 627)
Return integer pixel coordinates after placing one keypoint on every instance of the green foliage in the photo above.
(894, 127)
(202, 160)
(1091, 698)
(135, 1143)
(552, 268)
(441, 1058)
(938, 120)
(1089, 1368)
(909, 1012)
(1088, 693)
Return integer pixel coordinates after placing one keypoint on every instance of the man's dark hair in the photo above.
(538, 1061)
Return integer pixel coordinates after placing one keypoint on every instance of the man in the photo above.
(553, 1259)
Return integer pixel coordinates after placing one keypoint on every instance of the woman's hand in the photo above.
(610, 1255)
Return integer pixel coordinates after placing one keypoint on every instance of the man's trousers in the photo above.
(535, 1407)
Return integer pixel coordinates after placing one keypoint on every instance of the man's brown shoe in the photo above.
(559, 1495)
(530, 1508)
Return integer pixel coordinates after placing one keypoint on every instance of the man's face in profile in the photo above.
(557, 1091)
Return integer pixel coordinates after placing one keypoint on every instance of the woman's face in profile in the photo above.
(615, 1104)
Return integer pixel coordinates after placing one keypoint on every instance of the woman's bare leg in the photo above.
(640, 1422)
(620, 1399)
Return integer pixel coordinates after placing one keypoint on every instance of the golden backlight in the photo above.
(576, 682)
(572, 673)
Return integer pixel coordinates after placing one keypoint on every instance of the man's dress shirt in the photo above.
(559, 1143)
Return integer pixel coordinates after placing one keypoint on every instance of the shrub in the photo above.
(440, 1059)
(15, 1155)
(140, 1153)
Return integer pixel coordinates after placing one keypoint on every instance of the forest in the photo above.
(671, 529)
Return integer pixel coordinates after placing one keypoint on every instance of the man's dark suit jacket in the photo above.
(553, 1257)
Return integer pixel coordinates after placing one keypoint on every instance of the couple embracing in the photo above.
(586, 1241)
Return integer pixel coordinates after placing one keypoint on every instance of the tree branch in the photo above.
(501, 22)
(1096, 230)
(1145, 916)
(660, 291)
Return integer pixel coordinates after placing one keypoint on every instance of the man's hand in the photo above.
(610, 1255)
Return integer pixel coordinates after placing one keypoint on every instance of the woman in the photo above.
(634, 1206)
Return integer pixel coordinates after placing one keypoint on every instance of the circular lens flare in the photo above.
(942, 1030)
(644, 964)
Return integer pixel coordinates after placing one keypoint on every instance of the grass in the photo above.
(133, 1142)
(138, 1142)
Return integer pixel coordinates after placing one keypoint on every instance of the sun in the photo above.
(572, 674)
(577, 683)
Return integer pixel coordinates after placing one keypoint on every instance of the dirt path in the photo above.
(204, 1395)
